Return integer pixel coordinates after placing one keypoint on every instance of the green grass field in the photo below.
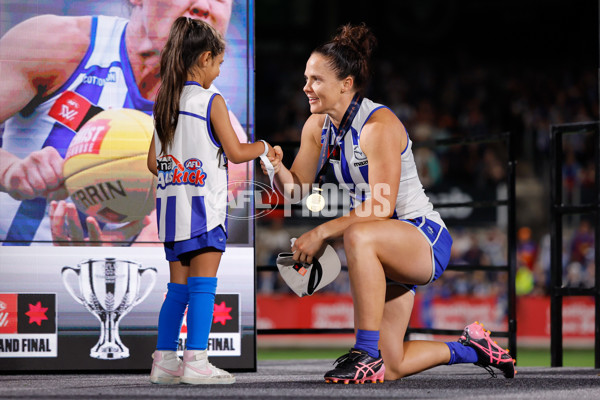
(527, 357)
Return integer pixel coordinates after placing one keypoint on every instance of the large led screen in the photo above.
(82, 272)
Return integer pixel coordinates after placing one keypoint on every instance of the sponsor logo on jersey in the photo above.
(358, 154)
(70, 109)
(89, 139)
(67, 111)
(98, 81)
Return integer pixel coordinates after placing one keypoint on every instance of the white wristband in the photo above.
(267, 163)
(266, 148)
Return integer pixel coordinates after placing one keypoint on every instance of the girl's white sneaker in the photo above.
(198, 371)
(167, 367)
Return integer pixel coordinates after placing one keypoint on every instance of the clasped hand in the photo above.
(275, 156)
(307, 246)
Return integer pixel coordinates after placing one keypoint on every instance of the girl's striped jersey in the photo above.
(191, 196)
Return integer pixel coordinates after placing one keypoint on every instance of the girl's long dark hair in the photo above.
(187, 40)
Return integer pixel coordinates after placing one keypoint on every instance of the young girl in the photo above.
(193, 140)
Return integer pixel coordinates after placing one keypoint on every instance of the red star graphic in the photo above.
(221, 313)
(37, 313)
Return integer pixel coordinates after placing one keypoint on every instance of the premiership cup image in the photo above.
(109, 289)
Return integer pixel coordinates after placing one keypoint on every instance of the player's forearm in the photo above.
(366, 211)
(290, 185)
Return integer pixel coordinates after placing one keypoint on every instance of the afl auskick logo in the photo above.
(193, 164)
(173, 172)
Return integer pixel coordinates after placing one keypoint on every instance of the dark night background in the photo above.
(542, 41)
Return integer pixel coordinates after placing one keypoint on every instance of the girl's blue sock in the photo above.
(461, 354)
(171, 316)
(200, 311)
(368, 341)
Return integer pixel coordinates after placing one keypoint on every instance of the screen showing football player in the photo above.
(58, 72)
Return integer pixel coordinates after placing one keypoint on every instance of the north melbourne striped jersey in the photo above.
(352, 169)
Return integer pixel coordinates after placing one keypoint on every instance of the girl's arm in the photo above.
(151, 160)
(235, 151)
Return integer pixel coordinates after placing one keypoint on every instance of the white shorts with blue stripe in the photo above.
(440, 241)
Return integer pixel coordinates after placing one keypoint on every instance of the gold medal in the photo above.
(315, 202)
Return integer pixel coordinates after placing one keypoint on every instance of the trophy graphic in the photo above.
(109, 289)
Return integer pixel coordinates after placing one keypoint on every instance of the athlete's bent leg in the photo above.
(374, 250)
(378, 249)
(405, 358)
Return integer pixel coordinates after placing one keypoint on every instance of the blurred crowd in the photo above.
(437, 101)
(487, 247)
(469, 100)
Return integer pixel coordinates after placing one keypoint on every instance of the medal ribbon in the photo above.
(345, 125)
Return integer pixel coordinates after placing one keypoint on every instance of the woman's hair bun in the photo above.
(349, 53)
(358, 37)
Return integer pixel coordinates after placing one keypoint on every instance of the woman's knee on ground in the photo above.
(394, 369)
